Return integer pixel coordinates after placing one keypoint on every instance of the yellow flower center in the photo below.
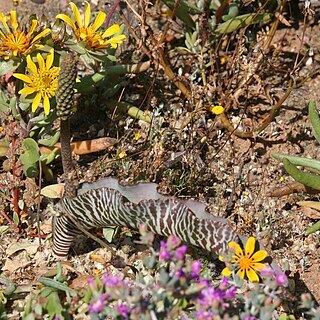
(92, 38)
(245, 263)
(16, 42)
(46, 81)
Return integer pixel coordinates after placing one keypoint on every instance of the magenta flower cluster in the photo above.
(171, 250)
(212, 301)
(179, 285)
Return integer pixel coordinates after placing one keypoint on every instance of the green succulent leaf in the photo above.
(50, 141)
(53, 305)
(8, 66)
(232, 13)
(183, 11)
(4, 102)
(30, 157)
(308, 179)
(299, 161)
(313, 228)
(242, 21)
(53, 284)
(314, 119)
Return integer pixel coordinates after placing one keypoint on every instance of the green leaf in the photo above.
(57, 285)
(30, 157)
(53, 305)
(4, 229)
(110, 232)
(50, 140)
(314, 119)
(31, 151)
(54, 191)
(4, 102)
(242, 21)
(183, 12)
(232, 13)
(48, 158)
(308, 179)
(16, 219)
(8, 66)
(313, 228)
(299, 161)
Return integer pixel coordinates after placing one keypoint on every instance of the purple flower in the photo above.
(110, 280)
(180, 274)
(195, 269)
(224, 283)
(123, 310)
(211, 297)
(248, 317)
(230, 293)
(181, 252)
(204, 282)
(204, 315)
(267, 271)
(164, 253)
(99, 304)
(281, 280)
(91, 283)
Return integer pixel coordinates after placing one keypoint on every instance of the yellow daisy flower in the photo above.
(246, 262)
(41, 80)
(14, 41)
(217, 110)
(90, 33)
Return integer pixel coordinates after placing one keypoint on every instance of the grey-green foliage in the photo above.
(290, 163)
(30, 157)
(47, 302)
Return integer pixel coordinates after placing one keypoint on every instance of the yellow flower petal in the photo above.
(98, 21)
(76, 14)
(250, 246)
(114, 41)
(46, 105)
(226, 272)
(258, 266)
(22, 77)
(31, 65)
(237, 249)
(241, 273)
(50, 58)
(87, 14)
(221, 258)
(115, 28)
(36, 102)
(67, 20)
(33, 26)
(4, 23)
(41, 35)
(27, 90)
(14, 22)
(40, 62)
(252, 275)
(259, 256)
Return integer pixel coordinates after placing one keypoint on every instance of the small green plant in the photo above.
(170, 286)
(30, 58)
(290, 163)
